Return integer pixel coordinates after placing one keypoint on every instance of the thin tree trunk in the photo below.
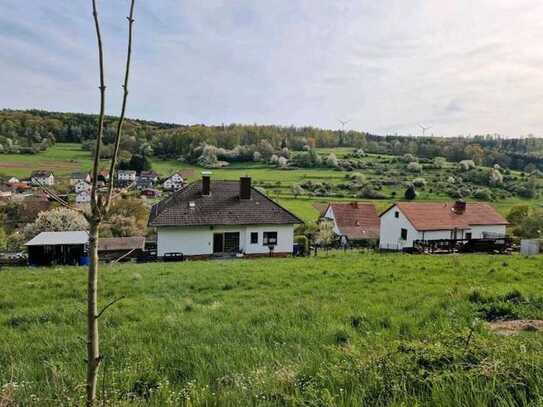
(93, 349)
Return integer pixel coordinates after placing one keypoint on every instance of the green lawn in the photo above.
(338, 330)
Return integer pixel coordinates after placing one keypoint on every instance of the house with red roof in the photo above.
(354, 221)
(404, 223)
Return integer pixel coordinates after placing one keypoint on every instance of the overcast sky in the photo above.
(462, 66)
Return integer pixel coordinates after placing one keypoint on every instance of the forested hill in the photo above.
(32, 131)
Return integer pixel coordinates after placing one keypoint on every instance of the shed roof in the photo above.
(59, 238)
(121, 243)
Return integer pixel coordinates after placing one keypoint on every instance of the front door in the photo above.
(218, 243)
(231, 242)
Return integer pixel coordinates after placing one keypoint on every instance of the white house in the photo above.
(174, 182)
(222, 218)
(406, 222)
(78, 177)
(81, 186)
(83, 197)
(126, 175)
(42, 177)
(13, 180)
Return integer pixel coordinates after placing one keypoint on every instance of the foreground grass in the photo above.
(344, 329)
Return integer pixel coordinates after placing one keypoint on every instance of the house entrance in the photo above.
(226, 242)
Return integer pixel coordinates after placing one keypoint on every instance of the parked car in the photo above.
(174, 256)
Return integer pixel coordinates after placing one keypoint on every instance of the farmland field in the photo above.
(343, 329)
(64, 158)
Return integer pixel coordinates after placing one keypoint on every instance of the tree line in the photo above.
(32, 131)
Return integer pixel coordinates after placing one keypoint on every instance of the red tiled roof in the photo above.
(442, 216)
(356, 220)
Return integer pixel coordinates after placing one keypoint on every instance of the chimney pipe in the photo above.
(459, 207)
(206, 183)
(245, 187)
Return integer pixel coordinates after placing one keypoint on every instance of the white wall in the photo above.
(193, 241)
(391, 226)
(477, 231)
(331, 216)
(390, 231)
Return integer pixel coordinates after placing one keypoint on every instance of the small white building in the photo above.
(13, 180)
(83, 197)
(81, 186)
(42, 177)
(174, 182)
(78, 177)
(222, 218)
(404, 223)
(126, 175)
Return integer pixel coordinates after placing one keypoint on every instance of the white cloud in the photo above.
(463, 67)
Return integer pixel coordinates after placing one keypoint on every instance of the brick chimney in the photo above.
(206, 183)
(459, 207)
(245, 187)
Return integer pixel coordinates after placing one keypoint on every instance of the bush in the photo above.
(410, 193)
(419, 182)
(484, 194)
(304, 242)
(414, 167)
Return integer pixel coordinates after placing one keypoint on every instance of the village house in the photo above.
(81, 186)
(83, 197)
(405, 223)
(78, 177)
(150, 175)
(144, 183)
(126, 177)
(174, 182)
(103, 176)
(354, 222)
(222, 218)
(42, 177)
(12, 181)
(5, 195)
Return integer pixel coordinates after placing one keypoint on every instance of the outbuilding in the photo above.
(58, 248)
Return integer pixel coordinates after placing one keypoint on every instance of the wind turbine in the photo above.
(343, 123)
(342, 133)
(424, 128)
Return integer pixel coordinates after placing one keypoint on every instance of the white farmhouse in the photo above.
(222, 218)
(81, 186)
(174, 182)
(77, 177)
(42, 177)
(404, 223)
(83, 197)
(126, 176)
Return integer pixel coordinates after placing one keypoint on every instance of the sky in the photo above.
(461, 67)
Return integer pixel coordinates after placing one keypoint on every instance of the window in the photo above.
(397, 214)
(254, 237)
(468, 235)
(404, 234)
(270, 238)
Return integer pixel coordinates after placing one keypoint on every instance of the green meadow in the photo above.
(343, 329)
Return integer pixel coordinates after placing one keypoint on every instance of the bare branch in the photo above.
(118, 134)
(57, 198)
(99, 134)
(109, 305)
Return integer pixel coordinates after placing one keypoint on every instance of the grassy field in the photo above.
(338, 330)
(64, 158)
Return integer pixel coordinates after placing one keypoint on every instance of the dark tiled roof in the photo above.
(41, 173)
(442, 216)
(223, 207)
(357, 220)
